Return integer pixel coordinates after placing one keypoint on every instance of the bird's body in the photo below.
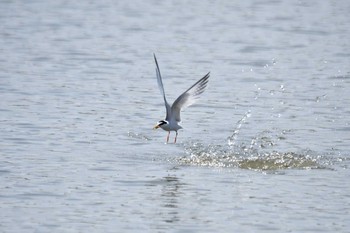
(172, 119)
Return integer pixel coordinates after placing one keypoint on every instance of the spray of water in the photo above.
(259, 155)
(231, 141)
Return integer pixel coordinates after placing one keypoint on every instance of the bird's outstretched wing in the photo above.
(161, 88)
(189, 97)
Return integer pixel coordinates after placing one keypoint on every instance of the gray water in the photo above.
(266, 149)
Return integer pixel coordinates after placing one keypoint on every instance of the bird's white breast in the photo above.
(172, 126)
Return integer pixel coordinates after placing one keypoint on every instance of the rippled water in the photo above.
(266, 149)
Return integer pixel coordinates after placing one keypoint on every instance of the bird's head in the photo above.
(160, 124)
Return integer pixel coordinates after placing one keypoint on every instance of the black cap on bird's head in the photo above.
(160, 123)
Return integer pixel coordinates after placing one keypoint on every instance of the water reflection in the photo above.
(170, 195)
(169, 198)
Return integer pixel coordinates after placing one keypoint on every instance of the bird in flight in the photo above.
(189, 97)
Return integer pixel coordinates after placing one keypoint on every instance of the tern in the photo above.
(189, 97)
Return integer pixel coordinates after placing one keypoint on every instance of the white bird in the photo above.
(189, 97)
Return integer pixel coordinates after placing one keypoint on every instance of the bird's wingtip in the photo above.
(155, 58)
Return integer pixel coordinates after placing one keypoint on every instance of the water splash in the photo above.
(231, 141)
(259, 154)
(138, 136)
(267, 139)
(278, 161)
(221, 156)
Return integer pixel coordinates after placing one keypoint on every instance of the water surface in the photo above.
(266, 149)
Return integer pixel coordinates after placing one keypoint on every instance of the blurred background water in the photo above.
(266, 149)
